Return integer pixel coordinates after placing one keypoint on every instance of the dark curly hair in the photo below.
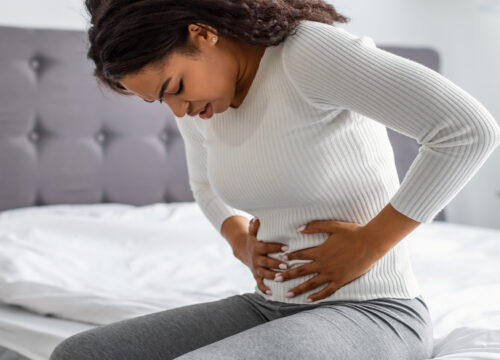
(126, 35)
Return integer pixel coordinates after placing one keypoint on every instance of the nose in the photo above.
(179, 111)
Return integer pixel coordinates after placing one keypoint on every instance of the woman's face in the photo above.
(215, 76)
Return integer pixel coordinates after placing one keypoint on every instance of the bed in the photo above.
(98, 184)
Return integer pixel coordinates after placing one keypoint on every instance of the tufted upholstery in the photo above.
(65, 140)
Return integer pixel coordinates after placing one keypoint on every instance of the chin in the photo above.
(222, 107)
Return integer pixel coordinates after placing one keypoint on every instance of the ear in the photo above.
(207, 32)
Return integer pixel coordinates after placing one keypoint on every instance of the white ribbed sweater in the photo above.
(309, 142)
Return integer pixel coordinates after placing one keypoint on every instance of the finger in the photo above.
(252, 227)
(306, 286)
(303, 254)
(274, 247)
(326, 226)
(265, 273)
(298, 271)
(261, 286)
(323, 293)
(270, 263)
(270, 247)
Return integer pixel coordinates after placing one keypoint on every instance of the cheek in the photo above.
(214, 87)
(219, 83)
(219, 80)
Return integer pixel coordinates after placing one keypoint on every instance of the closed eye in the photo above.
(181, 87)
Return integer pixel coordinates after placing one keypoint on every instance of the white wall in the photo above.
(466, 33)
(60, 14)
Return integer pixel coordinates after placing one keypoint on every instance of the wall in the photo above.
(60, 14)
(466, 33)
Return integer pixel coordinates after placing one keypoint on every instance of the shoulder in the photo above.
(318, 59)
(312, 37)
(308, 29)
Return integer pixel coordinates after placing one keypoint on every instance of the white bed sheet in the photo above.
(101, 271)
(34, 335)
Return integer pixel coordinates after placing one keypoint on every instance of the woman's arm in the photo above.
(233, 229)
(334, 69)
(388, 228)
(216, 210)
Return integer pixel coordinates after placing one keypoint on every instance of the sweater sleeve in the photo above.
(333, 68)
(210, 204)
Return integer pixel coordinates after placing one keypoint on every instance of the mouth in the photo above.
(207, 112)
(204, 109)
(200, 111)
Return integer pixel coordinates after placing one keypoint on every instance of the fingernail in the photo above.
(284, 247)
(278, 278)
(300, 228)
(283, 266)
(308, 300)
(268, 292)
(289, 294)
(285, 257)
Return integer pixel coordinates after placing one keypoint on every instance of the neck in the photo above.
(249, 57)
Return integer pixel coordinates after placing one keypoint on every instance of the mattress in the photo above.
(108, 262)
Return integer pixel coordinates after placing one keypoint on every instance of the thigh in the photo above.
(162, 335)
(384, 329)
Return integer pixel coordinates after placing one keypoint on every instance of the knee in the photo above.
(76, 347)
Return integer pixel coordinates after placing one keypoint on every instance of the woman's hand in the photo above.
(254, 256)
(346, 254)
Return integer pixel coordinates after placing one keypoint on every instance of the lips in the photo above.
(208, 113)
(201, 110)
(204, 109)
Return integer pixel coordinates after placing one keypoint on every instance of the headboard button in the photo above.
(34, 63)
(100, 137)
(164, 136)
(33, 136)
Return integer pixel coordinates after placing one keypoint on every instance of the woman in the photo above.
(284, 116)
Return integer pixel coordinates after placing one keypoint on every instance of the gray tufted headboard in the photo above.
(64, 140)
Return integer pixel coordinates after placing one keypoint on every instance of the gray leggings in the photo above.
(248, 326)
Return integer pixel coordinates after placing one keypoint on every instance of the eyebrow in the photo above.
(162, 90)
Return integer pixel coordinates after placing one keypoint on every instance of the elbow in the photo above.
(475, 139)
(489, 135)
(478, 135)
(496, 137)
(479, 126)
(486, 129)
